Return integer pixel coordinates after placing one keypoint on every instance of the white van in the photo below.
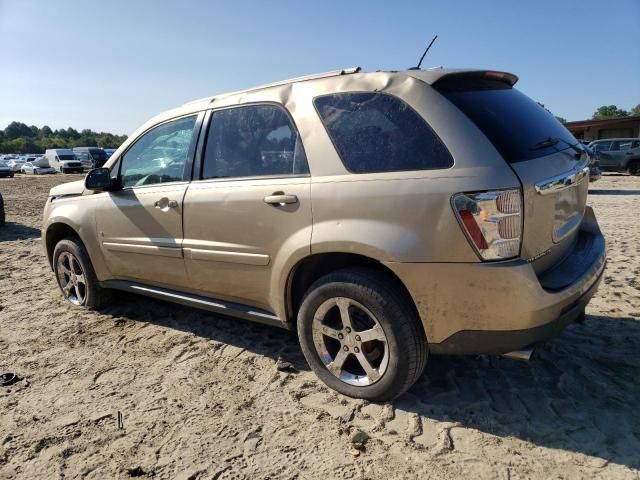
(63, 160)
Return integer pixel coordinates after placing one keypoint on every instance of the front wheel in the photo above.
(76, 277)
(634, 167)
(361, 335)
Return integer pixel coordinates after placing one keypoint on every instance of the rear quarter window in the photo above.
(376, 132)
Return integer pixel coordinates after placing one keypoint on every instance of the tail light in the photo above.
(492, 222)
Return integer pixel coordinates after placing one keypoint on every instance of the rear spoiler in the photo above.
(474, 79)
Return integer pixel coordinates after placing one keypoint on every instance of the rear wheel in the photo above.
(361, 335)
(76, 277)
(634, 167)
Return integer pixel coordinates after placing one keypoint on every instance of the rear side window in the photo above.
(518, 127)
(253, 141)
(376, 132)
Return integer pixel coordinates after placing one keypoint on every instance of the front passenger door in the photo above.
(140, 226)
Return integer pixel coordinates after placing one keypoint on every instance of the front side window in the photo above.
(160, 155)
(375, 132)
(253, 140)
(602, 146)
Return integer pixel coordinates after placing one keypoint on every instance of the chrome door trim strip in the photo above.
(225, 256)
(174, 252)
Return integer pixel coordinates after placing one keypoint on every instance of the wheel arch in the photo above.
(311, 268)
(55, 232)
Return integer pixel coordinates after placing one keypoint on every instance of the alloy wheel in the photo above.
(72, 278)
(350, 341)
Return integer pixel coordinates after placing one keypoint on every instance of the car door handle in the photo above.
(280, 199)
(166, 203)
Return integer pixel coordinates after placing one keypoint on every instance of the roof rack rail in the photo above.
(315, 76)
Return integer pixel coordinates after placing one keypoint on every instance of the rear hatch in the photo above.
(548, 160)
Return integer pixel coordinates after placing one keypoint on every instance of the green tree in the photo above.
(20, 138)
(635, 110)
(609, 111)
(16, 130)
(562, 120)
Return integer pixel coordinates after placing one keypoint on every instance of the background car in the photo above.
(618, 154)
(594, 163)
(16, 163)
(63, 160)
(33, 169)
(5, 169)
(90, 157)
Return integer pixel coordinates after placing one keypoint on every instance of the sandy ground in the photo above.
(200, 396)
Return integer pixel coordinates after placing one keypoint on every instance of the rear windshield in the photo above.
(518, 127)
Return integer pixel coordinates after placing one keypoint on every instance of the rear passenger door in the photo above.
(248, 210)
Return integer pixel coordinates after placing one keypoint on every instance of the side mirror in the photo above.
(99, 180)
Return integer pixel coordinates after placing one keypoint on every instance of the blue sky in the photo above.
(110, 65)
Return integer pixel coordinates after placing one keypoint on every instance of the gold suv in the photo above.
(384, 215)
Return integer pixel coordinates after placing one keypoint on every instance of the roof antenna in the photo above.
(417, 67)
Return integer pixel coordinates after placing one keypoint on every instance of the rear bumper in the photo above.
(494, 308)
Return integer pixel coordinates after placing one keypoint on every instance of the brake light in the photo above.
(492, 221)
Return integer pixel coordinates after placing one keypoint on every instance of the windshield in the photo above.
(518, 127)
(66, 157)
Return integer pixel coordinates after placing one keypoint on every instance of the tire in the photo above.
(633, 168)
(377, 306)
(70, 262)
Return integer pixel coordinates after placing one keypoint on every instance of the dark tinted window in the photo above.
(255, 140)
(375, 132)
(66, 157)
(515, 124)
(98, 154)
